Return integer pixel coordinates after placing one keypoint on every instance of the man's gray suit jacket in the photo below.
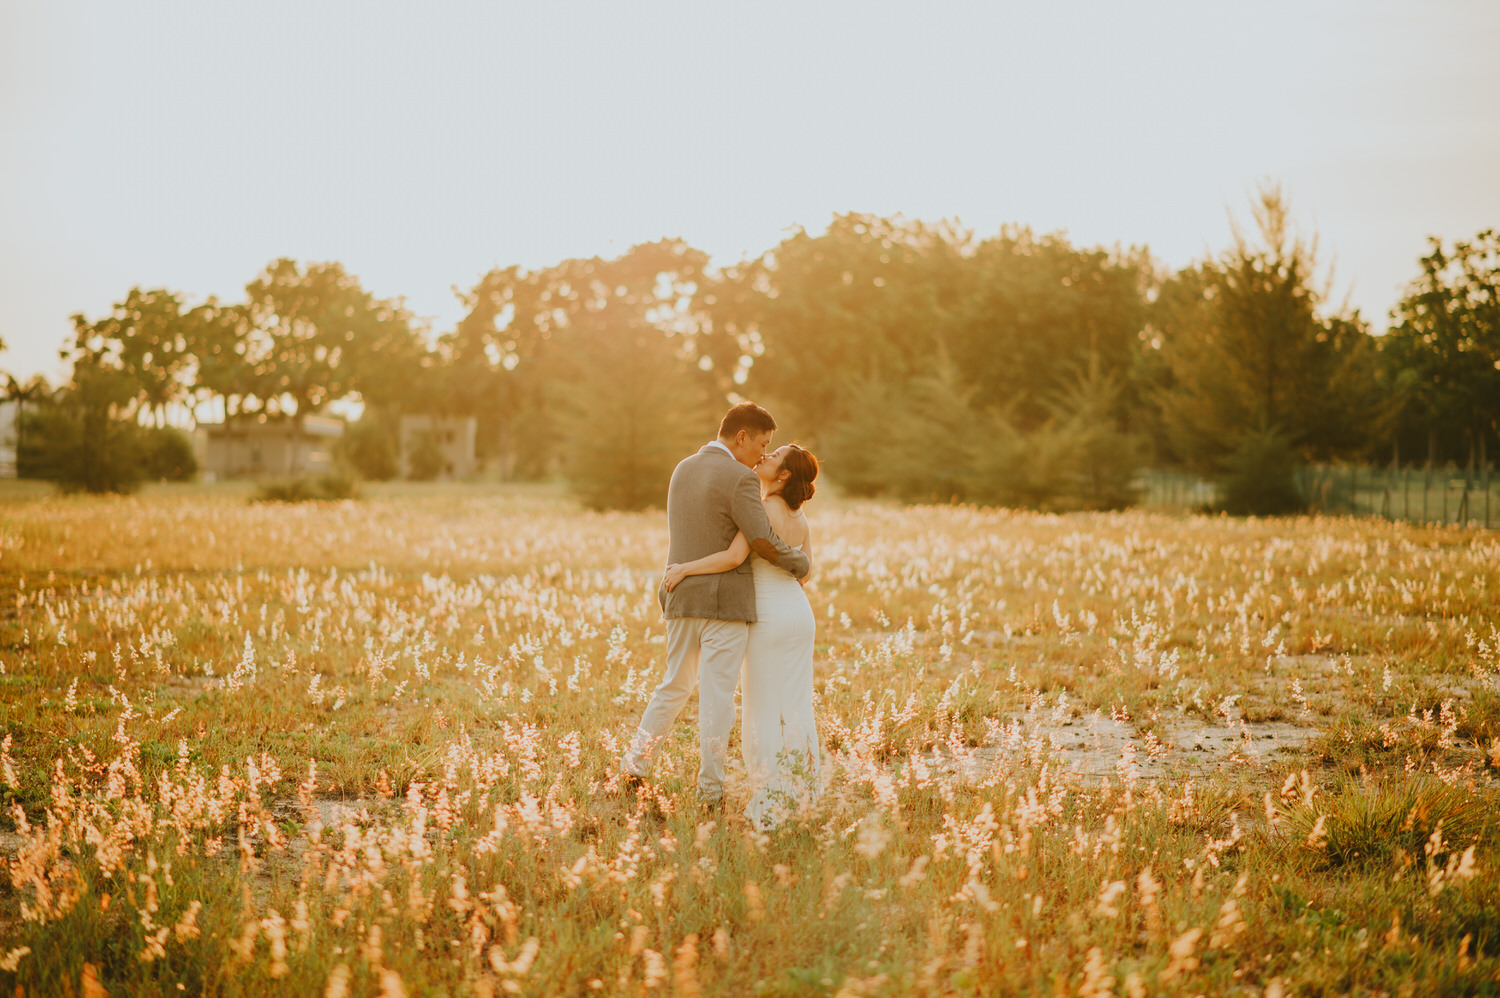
(710, 499)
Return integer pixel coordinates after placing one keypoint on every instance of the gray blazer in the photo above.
(710, 499)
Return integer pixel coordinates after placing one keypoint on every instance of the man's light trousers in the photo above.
(706, 653)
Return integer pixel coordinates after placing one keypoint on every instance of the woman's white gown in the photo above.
(778, 734)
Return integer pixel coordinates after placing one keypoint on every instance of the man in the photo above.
(713, 495)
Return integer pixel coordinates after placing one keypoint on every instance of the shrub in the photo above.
(927, 441)
(167, 455)
(81, 448)
(1371, 822)
(332, 486)
(425, 462)
(1259, 477)
(630, 415)
(371, 448)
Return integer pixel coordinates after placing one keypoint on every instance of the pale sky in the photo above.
(187, 144)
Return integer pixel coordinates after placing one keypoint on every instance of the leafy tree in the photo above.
(324, 336)
(532, 341)
(1039, 310)
(931, 440)
(228, 354)
(632, 413)
(630, 402)
(153, 346)
(865, 303)
(1246, 351)
(1447, 342)
(81, 438)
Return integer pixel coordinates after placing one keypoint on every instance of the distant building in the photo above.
(10, 412)
(441, 444)
(268, 448)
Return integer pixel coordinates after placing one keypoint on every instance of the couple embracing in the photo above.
(739, 546)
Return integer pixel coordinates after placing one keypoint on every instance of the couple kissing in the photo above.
(739, 547)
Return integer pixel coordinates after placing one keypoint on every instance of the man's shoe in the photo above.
(713, 808)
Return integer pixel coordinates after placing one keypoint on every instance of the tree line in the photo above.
(922, 363)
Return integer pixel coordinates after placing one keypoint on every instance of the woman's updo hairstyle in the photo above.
(802, 468)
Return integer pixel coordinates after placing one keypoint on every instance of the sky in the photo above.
(185, 145)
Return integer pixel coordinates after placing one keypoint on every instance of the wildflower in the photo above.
(338, 982)
(7, 765)
(914, 876)
(12, 959)
(390, 984)
(656, 969)
(274, 927)
(684, 968)
(755, 907)
(90, 985)
(370, 950)
(872, 838)
(1318, 837)
(1108, 894)
(1230, 924)
(187, 926)
(1097, 982)
(1148, 887)
(244, 946)
(973, 943)
(1181, 953)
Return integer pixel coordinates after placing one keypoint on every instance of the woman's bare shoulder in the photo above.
(777, 511)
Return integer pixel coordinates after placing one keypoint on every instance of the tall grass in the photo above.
(314, 749)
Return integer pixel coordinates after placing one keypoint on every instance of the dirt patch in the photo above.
(1095, 746)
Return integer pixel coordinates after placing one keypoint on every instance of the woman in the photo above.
(778, 734)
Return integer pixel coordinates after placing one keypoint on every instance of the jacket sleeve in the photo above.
(749, 515)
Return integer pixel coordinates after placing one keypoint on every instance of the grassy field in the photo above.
(371, 748)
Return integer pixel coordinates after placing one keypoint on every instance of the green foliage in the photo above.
(324, 336)
(922, 442)
(924, 363)
(79, 437)
(370, 447)
(425, 462)
(628, 419)
(1243, 344)
(1445, 352)
(62, 443)
(336, 485)
(148, 334)
(1367, 823)
(875, 300)
(167, 455)
(930, 441)
(1259, 476)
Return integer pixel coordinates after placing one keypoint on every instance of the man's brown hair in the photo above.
(745, 416)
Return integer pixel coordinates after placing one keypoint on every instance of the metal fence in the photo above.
(1440, 495)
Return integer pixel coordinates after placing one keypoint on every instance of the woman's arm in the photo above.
(722, 561)
(807, 547)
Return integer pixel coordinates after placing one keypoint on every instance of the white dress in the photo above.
(778, 734)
